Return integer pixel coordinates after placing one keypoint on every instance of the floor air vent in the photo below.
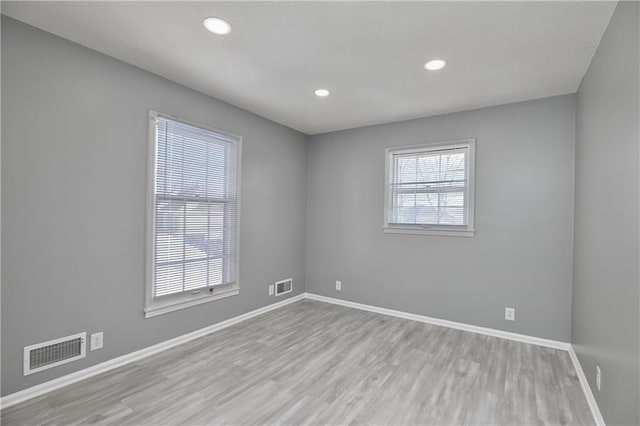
(284, 286)
(43, 356)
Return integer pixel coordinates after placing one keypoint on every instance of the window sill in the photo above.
(429, 231)
(159, 308)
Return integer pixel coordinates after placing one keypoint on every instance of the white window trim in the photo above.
(153, 307)
(440, 230)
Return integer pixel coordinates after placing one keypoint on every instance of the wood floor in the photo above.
(316, 363)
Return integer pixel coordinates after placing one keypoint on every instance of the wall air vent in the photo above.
(43, 356)
(284, 286)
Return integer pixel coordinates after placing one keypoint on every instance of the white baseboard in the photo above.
(593, 406)
(41, 389)
(86, 373)
(445, 323)
(591, 400)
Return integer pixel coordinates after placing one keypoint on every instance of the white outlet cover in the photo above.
(510, 314)
(271, 290)
(339, 285)
(97, 340)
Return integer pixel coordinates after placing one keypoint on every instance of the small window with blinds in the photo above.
(193, 190)
(429, 189)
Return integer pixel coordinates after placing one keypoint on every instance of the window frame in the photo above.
(467, 230)
(170, 303)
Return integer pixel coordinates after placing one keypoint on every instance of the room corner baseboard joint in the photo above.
(565, 346)
(46, 387)
(586, 389)
(555, 344)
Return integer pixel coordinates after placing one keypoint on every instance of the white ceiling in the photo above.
(369, 54)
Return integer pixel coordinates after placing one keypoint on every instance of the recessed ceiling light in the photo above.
(322, 93)
(436, 64)
(217, 26)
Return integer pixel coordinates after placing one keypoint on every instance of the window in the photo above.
(193, 206)
(429, 189)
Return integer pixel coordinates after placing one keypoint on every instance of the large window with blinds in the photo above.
(193, 211)
(430, 189)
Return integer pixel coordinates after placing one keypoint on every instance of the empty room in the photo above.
(320, 213)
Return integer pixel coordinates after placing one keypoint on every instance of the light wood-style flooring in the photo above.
(317, 363)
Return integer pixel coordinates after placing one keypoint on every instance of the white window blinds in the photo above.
(195, 203)
(429, 186)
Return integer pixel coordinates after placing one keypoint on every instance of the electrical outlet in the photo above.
(97, 341)
(598, 377)
(271, 290)
(510, 314)
(339, 285)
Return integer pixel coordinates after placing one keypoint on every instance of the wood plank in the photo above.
(316, 363)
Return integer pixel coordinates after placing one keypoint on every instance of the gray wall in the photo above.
(73, 183)
(73, 201)
(605, 289)
(521, 255)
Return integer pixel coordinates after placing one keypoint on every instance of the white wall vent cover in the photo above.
(284, 286)
(45, 355)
